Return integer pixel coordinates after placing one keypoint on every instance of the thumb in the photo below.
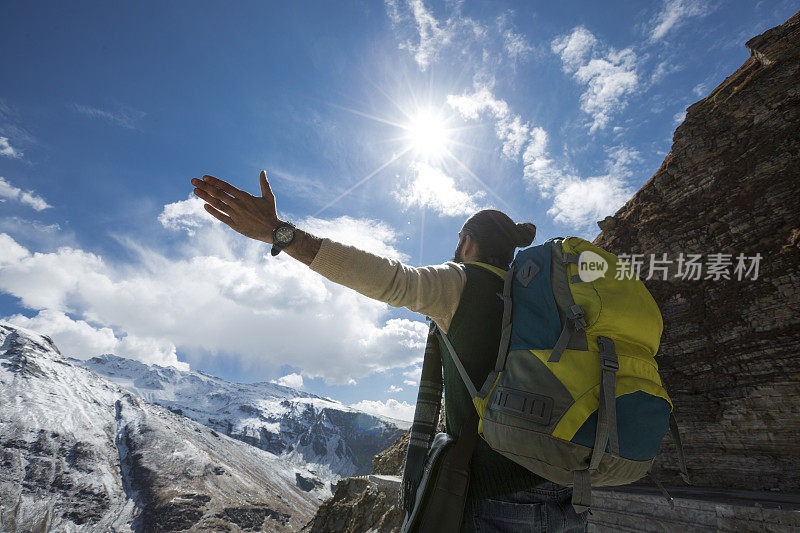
(266, 190)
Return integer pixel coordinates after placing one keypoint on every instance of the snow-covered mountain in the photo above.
(79, 452)
(324, 435)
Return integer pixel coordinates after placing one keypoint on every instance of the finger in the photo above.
(216, 202)
(225, 186)
(214, 191)
(266, 190)
(218, 215)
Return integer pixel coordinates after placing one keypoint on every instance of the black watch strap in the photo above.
(276, 248)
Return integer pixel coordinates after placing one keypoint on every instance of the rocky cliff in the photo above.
(729, 353)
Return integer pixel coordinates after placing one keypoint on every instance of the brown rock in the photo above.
(729, 351)
(358, 505)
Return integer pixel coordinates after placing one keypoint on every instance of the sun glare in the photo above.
(428, 134)
(428, 137)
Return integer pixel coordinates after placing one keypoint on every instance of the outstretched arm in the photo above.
(431, 290)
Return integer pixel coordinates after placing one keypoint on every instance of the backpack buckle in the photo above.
(609, 364)
(608, 355)
(575, 314)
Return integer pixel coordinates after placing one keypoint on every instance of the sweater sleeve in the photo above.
(433, 290)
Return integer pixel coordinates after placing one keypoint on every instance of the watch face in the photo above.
(284, 234)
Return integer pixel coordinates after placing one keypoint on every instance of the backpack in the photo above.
(575, 395)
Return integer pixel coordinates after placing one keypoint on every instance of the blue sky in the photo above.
(553, 112)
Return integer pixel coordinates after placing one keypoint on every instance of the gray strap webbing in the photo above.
(473, 392)
(573, 321)
(505, 332)
(571, 258)
(576, 278)
(676, 437)
(581, 490)
(607, 405)
(670, 501)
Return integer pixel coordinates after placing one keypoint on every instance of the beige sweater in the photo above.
(433, 290)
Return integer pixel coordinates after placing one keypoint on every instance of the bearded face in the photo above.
(458, 257)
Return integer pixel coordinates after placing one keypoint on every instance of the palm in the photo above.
(252, 216)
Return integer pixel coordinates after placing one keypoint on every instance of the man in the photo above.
(461, 297)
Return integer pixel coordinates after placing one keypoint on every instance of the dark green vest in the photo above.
(475, 335)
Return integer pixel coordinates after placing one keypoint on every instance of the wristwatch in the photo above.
(282, 236)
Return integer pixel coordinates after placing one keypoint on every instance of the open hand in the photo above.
(252, 216)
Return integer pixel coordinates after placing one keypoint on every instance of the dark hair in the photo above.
(497, 236)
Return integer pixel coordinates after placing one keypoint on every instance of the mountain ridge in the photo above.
(79, 451)
(302, 427)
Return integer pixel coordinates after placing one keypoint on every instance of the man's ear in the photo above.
(470, 247)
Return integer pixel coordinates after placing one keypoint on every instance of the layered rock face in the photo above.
(729, 352)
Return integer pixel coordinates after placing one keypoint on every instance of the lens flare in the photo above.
(428, 134)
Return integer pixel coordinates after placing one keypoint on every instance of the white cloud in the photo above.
(674, 14)
(292, 380)
(431, 34)
(12, 251)
(394, 388)
(700, 89)
(7, 150)
(575, 49)
(582, 202)
(391, 408)
(539, 169)
(662, 70)
(412, 375)
(187, 215)
(219, 294)
(81, 340)
(510, 128)
(515, 45)
(19, 224)
(123, 116)
(455, 35)
(29, 198)
(677, 118)
(471, 105)
(578, 202)
(608, 74)
(370, 235)
(430, 187)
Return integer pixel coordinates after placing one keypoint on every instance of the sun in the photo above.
(428, 133)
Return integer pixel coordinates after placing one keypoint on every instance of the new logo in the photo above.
(591, 266)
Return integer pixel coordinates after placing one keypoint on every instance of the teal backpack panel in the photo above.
(536, 321)
(642, 422)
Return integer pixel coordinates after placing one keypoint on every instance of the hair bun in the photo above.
(526, 232)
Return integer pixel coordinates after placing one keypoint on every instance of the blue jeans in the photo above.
(545, 508)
